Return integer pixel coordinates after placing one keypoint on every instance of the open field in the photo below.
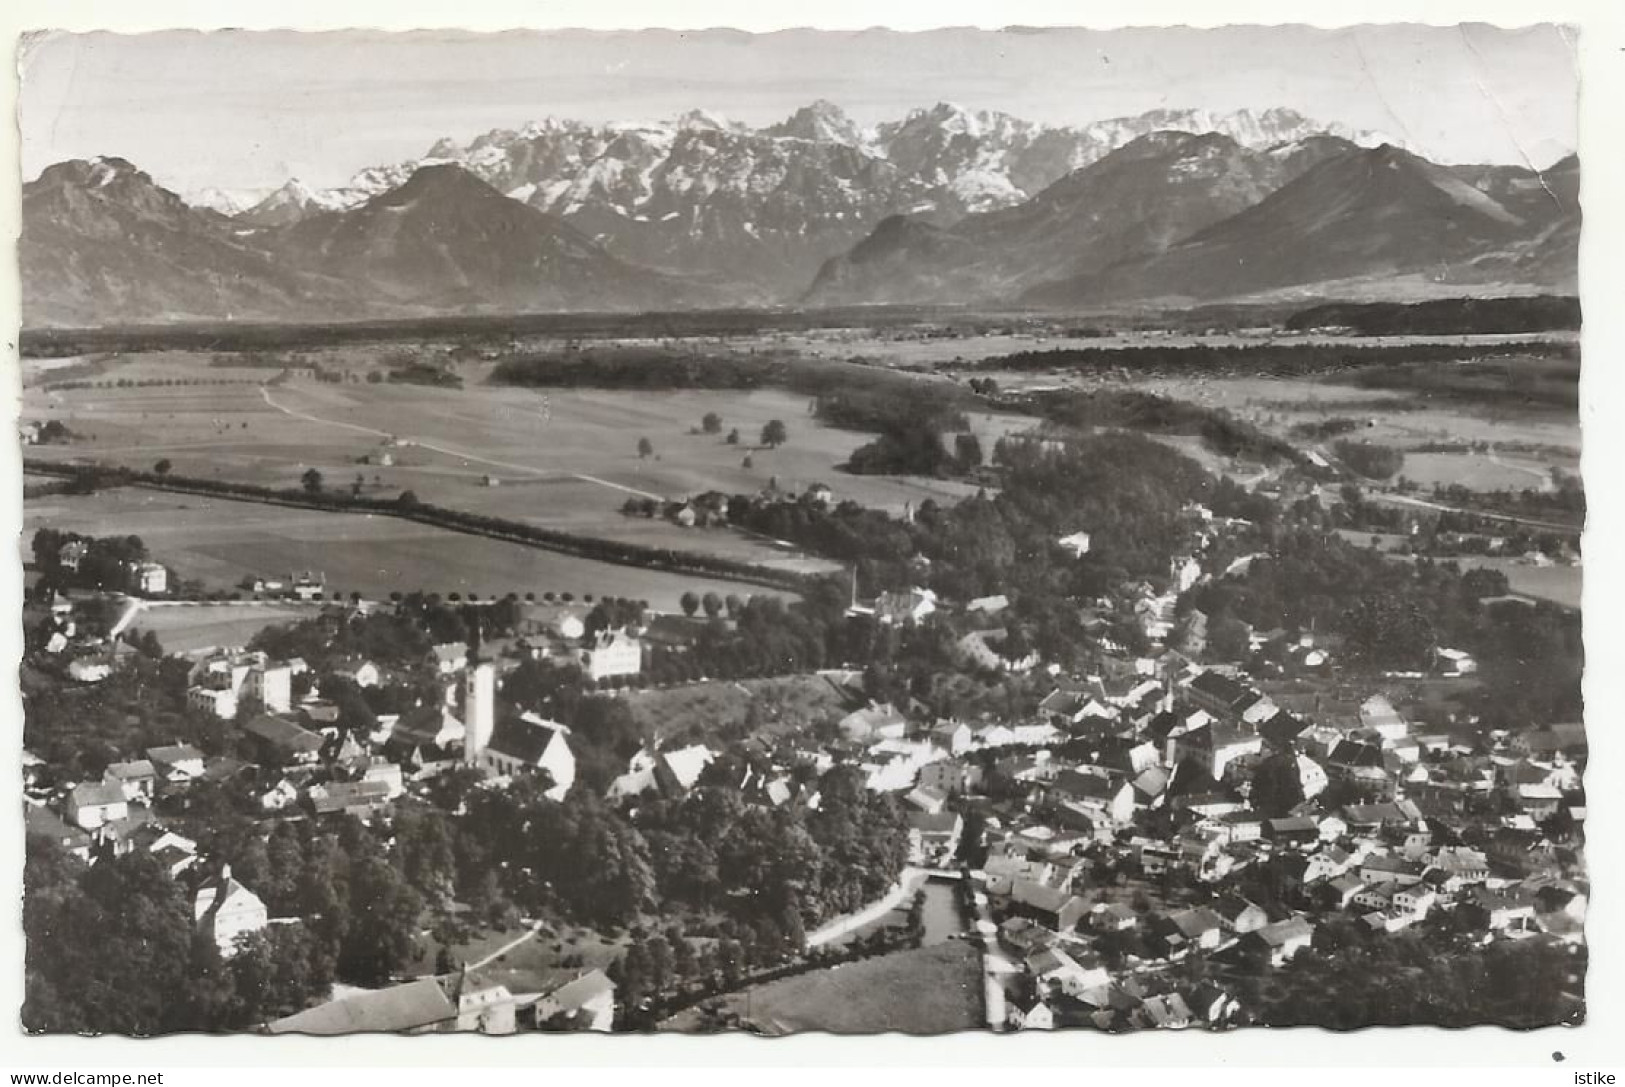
(187, 628)
(936, 346)
(932, 990)
(1479, 471)
(219, 541)
(1523, 441)
(565, 459)
(1559, 584)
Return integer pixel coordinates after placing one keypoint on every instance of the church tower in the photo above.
(479, 710)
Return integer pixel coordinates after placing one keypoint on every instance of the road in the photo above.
(996, 966)
(907, 884)
(461, 454)
(1407, 500)
(1424, 503)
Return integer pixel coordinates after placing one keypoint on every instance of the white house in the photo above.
(612, 653)
(177, 763)
(1077, 544)
(225, 910)
(450, 657)
(586, 1003)
(1053, 966)
(358, 670)
(218, 702)
(1456, 662)
(95, 803)
(148, 578)
(89, 669)
(271, 685)
(136, 778)
(901, 608)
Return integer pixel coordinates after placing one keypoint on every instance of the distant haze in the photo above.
(251, 109)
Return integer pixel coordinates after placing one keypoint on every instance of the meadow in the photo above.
(561, 458)
(188, 628)
(220, 541)
(1517, 443)
(931, 990)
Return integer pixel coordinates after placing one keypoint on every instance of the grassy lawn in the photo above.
(933, 990)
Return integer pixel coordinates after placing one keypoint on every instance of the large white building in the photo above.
(271, 685)
(223, 683)
(612, 653)
(149, 578)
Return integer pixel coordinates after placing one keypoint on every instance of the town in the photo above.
(826, 532)
(1162, 819)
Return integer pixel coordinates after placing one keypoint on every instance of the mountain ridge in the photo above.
(769, 205)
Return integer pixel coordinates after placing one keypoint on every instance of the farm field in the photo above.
(219, 541)
(931, 990)
(561, 458)
(1559, 584)
(188, 628)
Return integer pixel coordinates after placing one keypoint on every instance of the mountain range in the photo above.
(942, 206)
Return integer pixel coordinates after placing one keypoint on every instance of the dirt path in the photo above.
(507, 947)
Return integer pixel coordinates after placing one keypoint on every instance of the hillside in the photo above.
(1359, 215)
(102, 243)
(1139, 199)
(448, 240)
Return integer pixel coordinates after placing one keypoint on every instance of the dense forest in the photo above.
(111, 947)
(1444, 316)
(1252, 359)
(1152, 413)
(1393, 615)
(494, 330)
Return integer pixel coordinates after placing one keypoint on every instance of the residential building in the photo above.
(147, 578)
(932, 839)
(177, 764)
(585, 1003)
(93, 804)
(612, 653)
(1284, 939)
(137, 778)
(224, 909)
(449, 658)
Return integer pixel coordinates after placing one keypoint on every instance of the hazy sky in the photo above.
(250, 109)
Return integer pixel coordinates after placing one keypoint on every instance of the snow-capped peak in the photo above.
(225, 201)
(702, 120)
